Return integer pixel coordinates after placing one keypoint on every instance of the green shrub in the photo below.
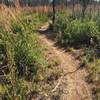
(78, 32)
(75, 32)
(93, 30)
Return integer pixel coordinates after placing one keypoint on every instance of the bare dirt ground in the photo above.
(72, 81)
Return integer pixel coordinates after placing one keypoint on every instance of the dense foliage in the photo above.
(23, 65)
(75, 31)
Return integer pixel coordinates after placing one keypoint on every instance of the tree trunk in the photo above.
(54, 11)
(73, 5)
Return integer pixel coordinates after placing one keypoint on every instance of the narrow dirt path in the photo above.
(73, 80)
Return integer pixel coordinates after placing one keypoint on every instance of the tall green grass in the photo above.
(21, 56)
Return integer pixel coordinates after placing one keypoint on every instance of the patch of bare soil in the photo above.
(72, 83)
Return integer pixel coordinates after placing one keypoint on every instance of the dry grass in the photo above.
(6, 12)
(38, 9)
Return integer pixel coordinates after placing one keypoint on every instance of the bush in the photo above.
(61, 25)
(78, 32)
(75, 32)
(93, 30)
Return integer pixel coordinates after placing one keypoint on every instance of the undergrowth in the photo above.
(23, 66)
(75, 32)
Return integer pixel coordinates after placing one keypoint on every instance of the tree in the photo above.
(54, 10)
(84, 4)
(73, 6)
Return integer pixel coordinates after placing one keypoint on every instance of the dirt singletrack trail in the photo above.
(74, 85)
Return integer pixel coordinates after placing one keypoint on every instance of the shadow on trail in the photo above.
(48, 33)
